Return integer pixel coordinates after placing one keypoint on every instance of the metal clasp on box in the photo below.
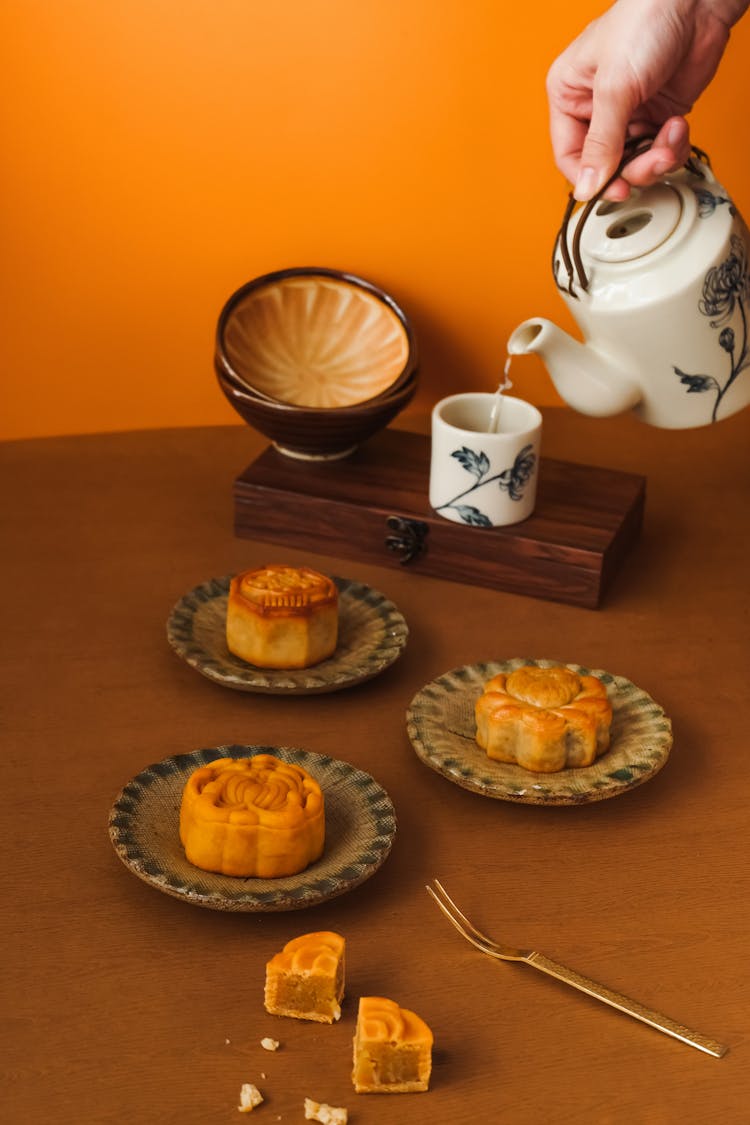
(407, 538)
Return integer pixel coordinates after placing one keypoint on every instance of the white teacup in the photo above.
(479, 478)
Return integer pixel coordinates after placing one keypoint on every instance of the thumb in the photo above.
(604, 144)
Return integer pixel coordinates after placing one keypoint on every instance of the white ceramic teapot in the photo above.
(660, 288)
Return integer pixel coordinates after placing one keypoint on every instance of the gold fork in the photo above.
(569, 976)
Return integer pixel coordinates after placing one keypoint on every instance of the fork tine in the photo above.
(455, 910)
(456, 921)
(468, 929)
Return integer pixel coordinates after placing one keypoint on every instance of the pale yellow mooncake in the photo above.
(252, 817)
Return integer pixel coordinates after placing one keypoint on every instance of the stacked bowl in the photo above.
(315, 359)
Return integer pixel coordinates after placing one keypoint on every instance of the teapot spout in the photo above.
(588, 380)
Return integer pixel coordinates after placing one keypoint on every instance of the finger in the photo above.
(650, 167)
(675, 135)
(617, 191)
(669, 151)
(567, 134)
(603, 147)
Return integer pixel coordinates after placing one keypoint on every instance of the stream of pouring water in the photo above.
(494, 423)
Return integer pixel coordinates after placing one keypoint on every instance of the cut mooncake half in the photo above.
(306, 979)
(392, 1049)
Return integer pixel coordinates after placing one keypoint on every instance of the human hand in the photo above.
(634, 71)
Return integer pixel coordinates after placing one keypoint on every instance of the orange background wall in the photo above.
(159, 153)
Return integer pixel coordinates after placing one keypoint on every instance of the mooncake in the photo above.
(392, 1049)
(252, 817)
(544, 719)
(306, 979)
(282, 617)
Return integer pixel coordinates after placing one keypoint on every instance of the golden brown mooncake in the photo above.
(392, 1049)
(252, 817)
(544, 719)
(306, 979)
(282, 617)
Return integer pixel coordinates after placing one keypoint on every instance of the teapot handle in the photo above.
(698, 163)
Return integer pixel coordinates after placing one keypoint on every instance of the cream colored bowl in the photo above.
(314, 338)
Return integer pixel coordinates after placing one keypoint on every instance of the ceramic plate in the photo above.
(372, 634)
(360, 826)
(440, 722)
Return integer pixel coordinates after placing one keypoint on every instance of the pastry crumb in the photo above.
(325, 1114)
(269, 1044)
(250, 1096)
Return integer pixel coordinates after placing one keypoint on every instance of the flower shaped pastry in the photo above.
(253, 817)
(544, 719)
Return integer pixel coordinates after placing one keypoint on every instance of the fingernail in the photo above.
(586, 184)
(674, 133)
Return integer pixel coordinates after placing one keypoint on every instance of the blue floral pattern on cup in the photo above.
(512, 480)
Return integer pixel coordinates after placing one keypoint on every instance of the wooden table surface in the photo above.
(122, 1004)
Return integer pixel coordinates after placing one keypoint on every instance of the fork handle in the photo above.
(623, 1004)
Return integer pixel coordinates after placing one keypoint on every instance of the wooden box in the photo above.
(374, 506)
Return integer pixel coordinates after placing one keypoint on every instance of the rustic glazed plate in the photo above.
(372, 635)
(360, 827)
(441, 726)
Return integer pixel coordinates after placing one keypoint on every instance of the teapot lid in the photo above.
(620, 232)
(624, 231)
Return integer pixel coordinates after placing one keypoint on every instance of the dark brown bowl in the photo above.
(315, 338)
(316, 433)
